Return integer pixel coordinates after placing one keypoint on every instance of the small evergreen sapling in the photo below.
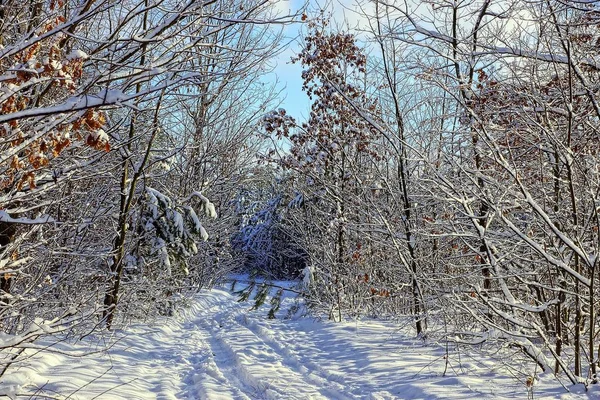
(173, 229)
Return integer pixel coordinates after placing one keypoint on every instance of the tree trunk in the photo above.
(7, 233)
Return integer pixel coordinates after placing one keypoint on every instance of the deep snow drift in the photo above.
(218, 349)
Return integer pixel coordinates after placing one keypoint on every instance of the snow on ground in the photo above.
(218, 349)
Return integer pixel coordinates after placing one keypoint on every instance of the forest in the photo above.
(447, 172)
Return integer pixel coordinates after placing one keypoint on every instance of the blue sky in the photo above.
(287, 74)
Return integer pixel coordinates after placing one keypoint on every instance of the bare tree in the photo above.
(89, 96)
(519, 177)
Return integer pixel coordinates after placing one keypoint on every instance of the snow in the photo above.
(218, 349)
(5, 217)
(99, 135)
(203, 233)
(308, 276)
(77, 54)
(208, 207)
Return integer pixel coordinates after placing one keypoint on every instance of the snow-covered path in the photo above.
(219, 350)
(245, 361)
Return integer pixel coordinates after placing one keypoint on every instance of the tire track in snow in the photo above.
(205, 380)
(265, 367)
(257, 367)
(224, 368)
(332, 385)
(209, 374)
(213, 375)
(243, 367)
